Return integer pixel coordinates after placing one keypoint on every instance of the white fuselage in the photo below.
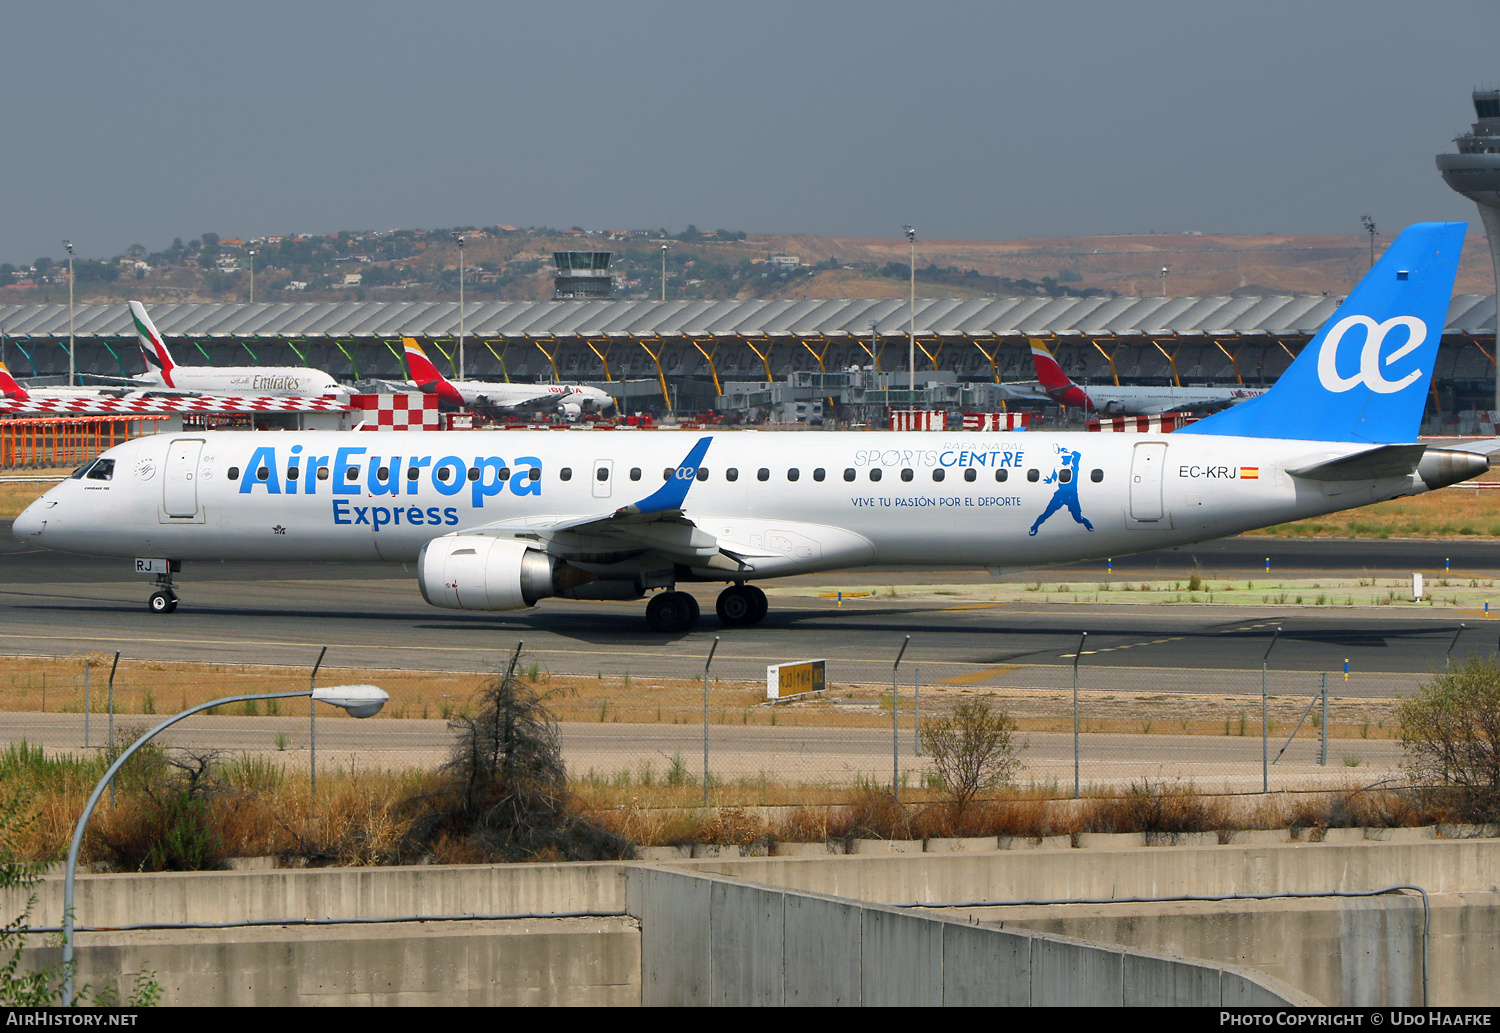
(259, 381)
(360, 496)
(506, 396)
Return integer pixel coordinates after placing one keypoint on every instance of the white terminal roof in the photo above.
(1284, 314)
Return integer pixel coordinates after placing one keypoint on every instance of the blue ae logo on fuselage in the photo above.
(1066, 495)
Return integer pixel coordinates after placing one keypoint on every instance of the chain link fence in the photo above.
(689, 730)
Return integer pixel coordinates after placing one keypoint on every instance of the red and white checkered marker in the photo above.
(410, 410)
(104, 405)
(1163, 424)
(997, 420)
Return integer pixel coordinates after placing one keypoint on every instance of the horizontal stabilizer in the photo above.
(1370, 465)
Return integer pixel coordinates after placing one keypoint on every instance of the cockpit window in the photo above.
(78, 473)
(102, 470)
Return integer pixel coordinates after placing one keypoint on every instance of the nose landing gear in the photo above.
(164, 599)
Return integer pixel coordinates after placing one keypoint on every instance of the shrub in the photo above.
(1450, 733)
(973, 750)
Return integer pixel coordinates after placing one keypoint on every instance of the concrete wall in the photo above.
(532, 962)
(713, 940)
(1352, 951)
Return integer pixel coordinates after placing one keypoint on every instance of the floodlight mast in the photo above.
(460, 238)
(72, 366)
(911, 334)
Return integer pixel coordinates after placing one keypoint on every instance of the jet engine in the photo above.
(1441, 467)
(474, 572)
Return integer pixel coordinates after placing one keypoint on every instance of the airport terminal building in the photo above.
(699, 355)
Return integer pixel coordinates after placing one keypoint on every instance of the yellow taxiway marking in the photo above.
(975, 677)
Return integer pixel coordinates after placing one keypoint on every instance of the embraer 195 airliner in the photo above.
(498, 521)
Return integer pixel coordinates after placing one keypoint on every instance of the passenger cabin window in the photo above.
(1096, 476)
(264, 473)
(635, 473)
(533, 474)
(384, 473)
(601, 474)
(732, 474)
(413, 472)
(666, 474)
(763, 474)
(848, 473)
(474, 473)
(1064, 475)
(793, 474)
(103, 470)
(818, 474)
(234, 473)
(292, 473)
(565, 474)
(874, 475)
(352, 475)
(971, 474)
(322, 473)
(702, 473)
(939, 474)
(442, 474)
(1033, 475)
(1003, 474)
(906, 475)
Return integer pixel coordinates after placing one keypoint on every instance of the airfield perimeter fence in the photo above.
(644, 733)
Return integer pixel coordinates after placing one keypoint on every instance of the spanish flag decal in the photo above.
(1249, 473)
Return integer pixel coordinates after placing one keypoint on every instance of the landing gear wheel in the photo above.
(162, 602)
(761, 605)
(741, 605)
(672, 613)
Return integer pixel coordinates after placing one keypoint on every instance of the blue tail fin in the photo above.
(1364, 377)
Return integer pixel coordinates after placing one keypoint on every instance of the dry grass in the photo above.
(17, 495)
(1454, 512)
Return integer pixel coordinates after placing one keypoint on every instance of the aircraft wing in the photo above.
(1027, 391)
(483, 401)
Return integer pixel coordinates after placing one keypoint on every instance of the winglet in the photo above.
(10, 387)
(153, 348)
(1054, 381)
(427, 377)
(670, 496)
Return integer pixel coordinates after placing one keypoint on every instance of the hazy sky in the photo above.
(137, 123)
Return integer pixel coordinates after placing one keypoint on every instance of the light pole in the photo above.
(911, 333)
(460, 238)
(1370, 229)
(72, 368)
(1164, 271)
(358, 700)
(252, 276)
(664, 271)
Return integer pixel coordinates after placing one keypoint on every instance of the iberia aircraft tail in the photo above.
(10, 387)
(1054, 381)
(153, 348)
(1364, 376)
(427, 377)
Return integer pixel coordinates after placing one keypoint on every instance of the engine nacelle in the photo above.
(474, 572)
(1441, 467)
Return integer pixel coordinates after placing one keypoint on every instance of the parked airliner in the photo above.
(1055, 384)
(261, 381)
(500, 521)
(491, 397)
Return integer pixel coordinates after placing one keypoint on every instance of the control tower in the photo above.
(582, 274)
(1475, 172)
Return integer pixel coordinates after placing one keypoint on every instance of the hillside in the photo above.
(502, 263)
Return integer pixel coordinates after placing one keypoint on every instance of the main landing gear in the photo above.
(676, 612)
(741, 605)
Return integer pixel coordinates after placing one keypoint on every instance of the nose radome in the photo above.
(30, 522)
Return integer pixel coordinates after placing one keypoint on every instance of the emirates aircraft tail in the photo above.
(153, 348)
(10, 387)
(427, 376)
(1054, 381)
